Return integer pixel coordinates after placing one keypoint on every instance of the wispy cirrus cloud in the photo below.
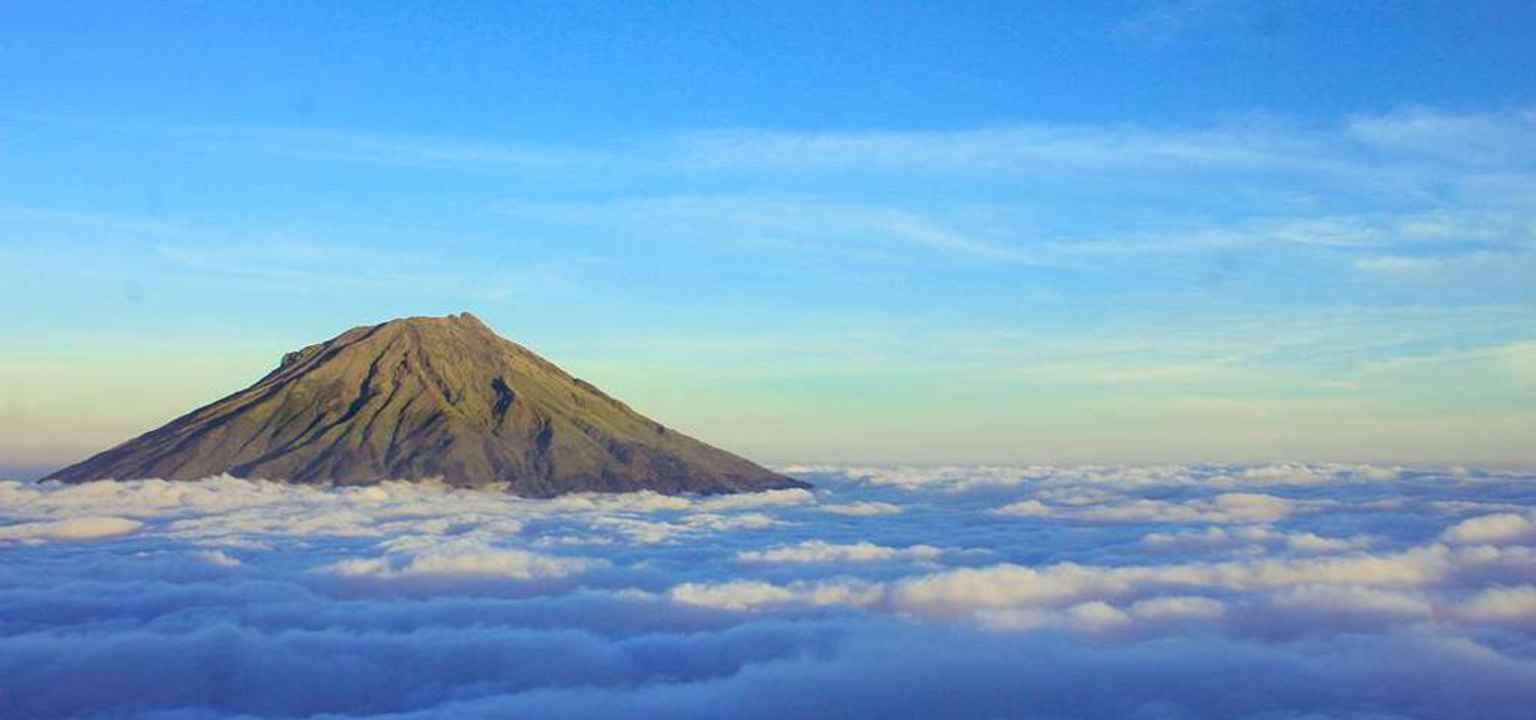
(1026, 149)
(373, 148)
(1254, 265)
(1364, 189)
(1479, 140)
(1379, 183)
(1404, 143)
(773, 221)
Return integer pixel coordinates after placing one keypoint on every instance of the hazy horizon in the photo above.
(35, 459)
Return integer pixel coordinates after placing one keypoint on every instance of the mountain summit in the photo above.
(420, 398)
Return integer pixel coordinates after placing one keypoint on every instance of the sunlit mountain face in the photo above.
(423, 398)
(1277, 591)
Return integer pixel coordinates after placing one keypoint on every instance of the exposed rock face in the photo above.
(420, 398)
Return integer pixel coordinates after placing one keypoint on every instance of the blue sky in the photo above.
(1087, 232)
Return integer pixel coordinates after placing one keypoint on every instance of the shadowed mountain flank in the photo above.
(422, 398)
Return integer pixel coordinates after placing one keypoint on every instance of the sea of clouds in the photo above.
(1282, 591)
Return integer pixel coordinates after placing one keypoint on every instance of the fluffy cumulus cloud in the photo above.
(1492, 529)
(82, 528)
(1062, 592)
(868, 507)
(514, 564)
(817, 551)
(1252, 537)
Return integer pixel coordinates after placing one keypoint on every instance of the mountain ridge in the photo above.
(428, 397)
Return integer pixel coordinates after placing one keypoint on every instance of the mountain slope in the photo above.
(419, 398)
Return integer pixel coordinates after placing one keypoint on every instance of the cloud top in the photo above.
(887, 591)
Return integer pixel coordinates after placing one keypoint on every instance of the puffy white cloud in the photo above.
(1225, 508)
(219, 558)
(1257, 537)
(865, 508)
(1178, 607)
(741, 595)
(1000, 586)
(644, 501)
(1112, 479)
(1190, 539)
(83, 528)
(736, 595)
(1100, 617)
(1097, 615)
(1024, 508)
(1304, 475)
(723, 523)
(1354, 599)
(1312, 542)
(767, 498)
(1514, 605)
(1495, 529)
(660, 531)
(463, 562)
(817, 551)
(1274, 475)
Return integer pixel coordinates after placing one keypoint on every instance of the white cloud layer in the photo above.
(885, 592)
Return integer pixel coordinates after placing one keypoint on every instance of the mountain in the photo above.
(419, 398)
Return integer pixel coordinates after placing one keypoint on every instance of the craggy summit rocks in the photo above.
(422, 398)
